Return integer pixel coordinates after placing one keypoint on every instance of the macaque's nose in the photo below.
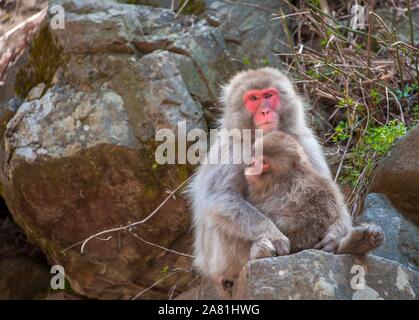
(266, 111)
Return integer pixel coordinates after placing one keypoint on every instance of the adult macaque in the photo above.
(226, 224)
(302, 203)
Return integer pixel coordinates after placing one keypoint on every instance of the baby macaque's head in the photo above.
(282, 157)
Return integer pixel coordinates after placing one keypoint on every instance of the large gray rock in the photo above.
(397, 175)
(250, 31)
(313, 274)
(79, 162)
(116, 27)
(401, 242)
(135, 29)
(79, 159)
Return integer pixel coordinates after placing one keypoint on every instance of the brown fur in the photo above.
(301, 202)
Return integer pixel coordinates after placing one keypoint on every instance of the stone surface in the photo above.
(397, 175)
(401, 242)
(114, 26)
(80, 158)
(36, 92)
(313, 274)
(79, 116)
(251, 33)
(75, 168)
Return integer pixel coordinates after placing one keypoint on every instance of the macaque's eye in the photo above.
(253, 98)
(268, 95)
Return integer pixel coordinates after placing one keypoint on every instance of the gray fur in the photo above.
(226, 224)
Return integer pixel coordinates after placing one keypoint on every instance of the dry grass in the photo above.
(362, 82)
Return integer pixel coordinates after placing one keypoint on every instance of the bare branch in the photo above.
(127, 227)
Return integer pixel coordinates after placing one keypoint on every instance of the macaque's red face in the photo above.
(263, 105)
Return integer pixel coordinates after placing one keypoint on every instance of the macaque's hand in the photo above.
(263, 248)
(334, 235)
(329, 243)
(280, 242)
(282, 245)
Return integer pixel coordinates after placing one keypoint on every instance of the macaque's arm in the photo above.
(229, 211)
(232, 214)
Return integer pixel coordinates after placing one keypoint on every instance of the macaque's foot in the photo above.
(282, 246)
(329, 243)
(262, 248)
(375, 236)
(362, 239)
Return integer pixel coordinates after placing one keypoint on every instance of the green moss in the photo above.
(155, 176)
(44, 59)
(195, 7)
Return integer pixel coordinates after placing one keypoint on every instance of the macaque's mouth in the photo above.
(267, 125)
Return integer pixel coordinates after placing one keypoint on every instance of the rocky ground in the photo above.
(79, 109)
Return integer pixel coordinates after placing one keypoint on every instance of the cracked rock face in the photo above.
(318, 275)
(249, 29)
(65, 121)
(78, 152)
(313, 274)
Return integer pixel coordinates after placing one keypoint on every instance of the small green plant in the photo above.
(346, 102)
(341, 132)
(265, 62)
(314, 74)
(246, 61)
(381, 138)
(376, 142)
(375, 96)
(407, 92)
(165, 270)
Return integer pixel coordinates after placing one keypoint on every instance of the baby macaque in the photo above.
(302, 203)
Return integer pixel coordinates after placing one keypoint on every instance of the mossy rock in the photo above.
(45, 56)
